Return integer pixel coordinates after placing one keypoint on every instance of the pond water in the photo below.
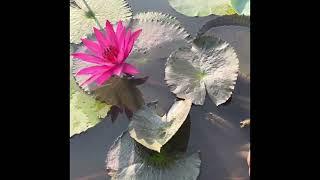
(215, 131)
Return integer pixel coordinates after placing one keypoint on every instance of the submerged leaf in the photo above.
(153, 131)
(121, 92)
(128, 160)
(82, 19)
(202, 7)
(209, 65)
(241, 6)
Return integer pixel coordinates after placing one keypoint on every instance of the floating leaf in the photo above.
(82, 19)
(121, 92)
(241, 6)
(235, 30)
(85, 111)
(228, 20)
(128, 160)
(202, 7)
(156, 16)
(210, 65)
(153, 131)
(156, 41)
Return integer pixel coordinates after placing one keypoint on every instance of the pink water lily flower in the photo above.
(108, 53)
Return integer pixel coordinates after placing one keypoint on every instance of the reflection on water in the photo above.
(215, 131)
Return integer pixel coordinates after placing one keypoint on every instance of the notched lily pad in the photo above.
(82, 19)
(153, 131)
(210, 65)
(202, 7)
(128, 160)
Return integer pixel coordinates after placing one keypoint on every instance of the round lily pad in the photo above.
(209, 65)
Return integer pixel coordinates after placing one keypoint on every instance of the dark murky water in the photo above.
(215, 131)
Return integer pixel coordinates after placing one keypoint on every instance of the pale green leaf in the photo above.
(202, 7)
(82, 22)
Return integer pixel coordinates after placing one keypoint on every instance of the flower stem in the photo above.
(94, 17)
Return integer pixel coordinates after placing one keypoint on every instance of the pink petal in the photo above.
(93, 70)
(118, 69)
(100, 38)
(120, 29)
(133, 38)
(125, 42)
(92, 46)
(111, 34)
(121, 34)
(120, 56)
(129, 69)
(90, 58)
(104, 77)
(90, 79)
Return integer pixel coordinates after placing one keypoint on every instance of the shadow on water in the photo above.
(215, 131)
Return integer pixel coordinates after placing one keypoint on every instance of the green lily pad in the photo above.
(153, 131)
(85, 111)
(128, 160)
(82, 19)
(202, 7)
(242, 7)
(210, 65)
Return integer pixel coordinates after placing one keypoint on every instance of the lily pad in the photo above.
(85, 111)
(153, 131)
(156, 41)
(241, 6)
(202, 7)
(235, 30)
(127, 160)
(210, 65)
(82, 19)
(156, 16)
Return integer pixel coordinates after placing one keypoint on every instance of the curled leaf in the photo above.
(210, 65)
(153, 131)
